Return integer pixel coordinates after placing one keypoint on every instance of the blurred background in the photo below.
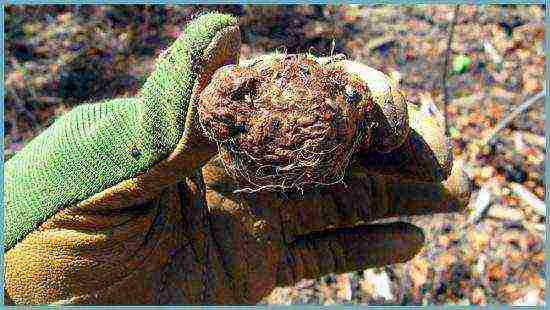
(483, 66)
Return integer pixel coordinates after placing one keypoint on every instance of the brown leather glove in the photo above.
(198, 242)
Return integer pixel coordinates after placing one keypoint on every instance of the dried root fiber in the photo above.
(286, 121)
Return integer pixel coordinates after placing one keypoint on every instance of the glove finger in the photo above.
(364, 198)
(348, 249)
(367, 198)
(418, 198)
(425, 155)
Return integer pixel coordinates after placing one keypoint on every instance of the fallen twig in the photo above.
(445, 69)
(518, 110)
(539, 227)
(480, 205)
(534, 139)
(505, 213)
(525, 195)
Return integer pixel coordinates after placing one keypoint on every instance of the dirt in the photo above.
(286, 121)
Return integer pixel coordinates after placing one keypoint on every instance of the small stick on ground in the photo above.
(531, 199)
(480, 206)
(517, 111)
(445, 69)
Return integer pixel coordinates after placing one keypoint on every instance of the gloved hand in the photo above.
(121, 202)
